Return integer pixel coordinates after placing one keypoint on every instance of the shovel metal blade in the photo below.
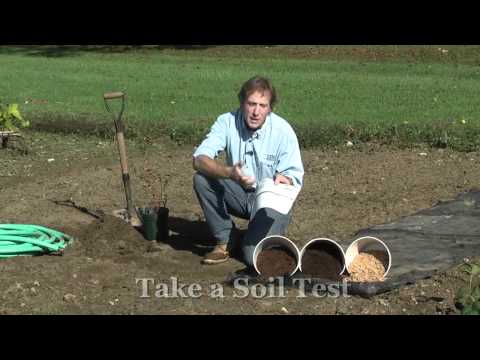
(133, 220)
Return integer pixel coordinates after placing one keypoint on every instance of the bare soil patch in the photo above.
(345, 191)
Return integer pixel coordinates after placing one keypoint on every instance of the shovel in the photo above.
(130, 214)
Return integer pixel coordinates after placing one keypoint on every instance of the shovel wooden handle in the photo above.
(122, 149)
(113, 95)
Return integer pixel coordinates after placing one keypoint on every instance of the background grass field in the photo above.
(330, 94)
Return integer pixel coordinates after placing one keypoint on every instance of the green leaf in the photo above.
(25, 123)
(8, 124)
(475, 270)
(466, 268)
(13, 111)
(476, 294)
(10, 118)
(476, 306)
(468, 310)
(462, 294)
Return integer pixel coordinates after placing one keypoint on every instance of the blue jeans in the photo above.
(220, 199)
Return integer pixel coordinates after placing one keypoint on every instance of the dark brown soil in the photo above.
(276, 262)
(111, 238)
(322, 261)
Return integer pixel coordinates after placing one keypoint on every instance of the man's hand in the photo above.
(215, 170)
(281, 179)
(237, 176)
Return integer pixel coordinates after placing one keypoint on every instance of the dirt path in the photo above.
(345, 191)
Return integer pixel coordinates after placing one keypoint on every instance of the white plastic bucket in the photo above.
(277, 197)
(276, 242)
(314, 242)
(364, 244)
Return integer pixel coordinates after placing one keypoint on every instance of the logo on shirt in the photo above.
(270, 158)
(269, 161)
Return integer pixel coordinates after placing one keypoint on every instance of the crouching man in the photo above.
(258, 144)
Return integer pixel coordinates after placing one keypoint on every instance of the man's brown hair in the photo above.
(260, 84)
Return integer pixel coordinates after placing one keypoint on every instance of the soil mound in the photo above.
(110, 238)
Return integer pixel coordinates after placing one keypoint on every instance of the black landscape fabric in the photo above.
(429, 242)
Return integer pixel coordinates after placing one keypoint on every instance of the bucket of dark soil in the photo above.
(323, 259)
(276, 256)
(155, 223)
(368, 259)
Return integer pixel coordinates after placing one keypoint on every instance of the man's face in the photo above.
(256, 109)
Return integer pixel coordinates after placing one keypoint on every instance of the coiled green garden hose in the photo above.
(28, 240)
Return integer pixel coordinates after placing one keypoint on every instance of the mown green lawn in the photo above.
(181, 92)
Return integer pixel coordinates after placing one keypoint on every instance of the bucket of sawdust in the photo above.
(368, 259)
(323, 258)
(276, 256)
(155, 223)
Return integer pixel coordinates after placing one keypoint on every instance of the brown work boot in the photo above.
(218, 256)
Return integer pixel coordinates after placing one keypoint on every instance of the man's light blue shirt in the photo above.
(272, 149)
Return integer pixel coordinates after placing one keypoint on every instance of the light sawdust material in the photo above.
(368, 267)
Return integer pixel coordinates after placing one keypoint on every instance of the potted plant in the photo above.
(10, 122)
(155, 215)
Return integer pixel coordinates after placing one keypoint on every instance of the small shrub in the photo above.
(11, 119)
(468, 297)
